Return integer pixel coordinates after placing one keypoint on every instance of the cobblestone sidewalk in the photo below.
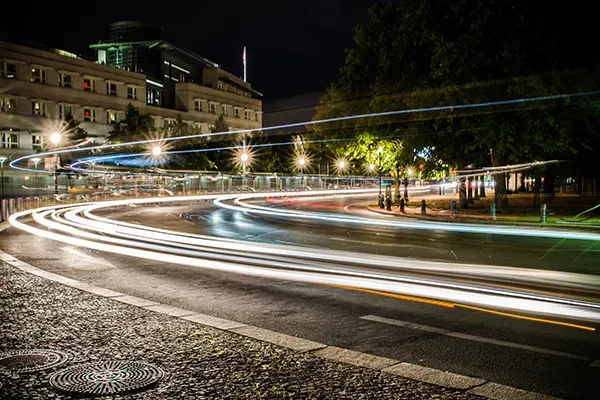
(200, 362)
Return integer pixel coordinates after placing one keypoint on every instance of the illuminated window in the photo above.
(8, 70)
(220, 85)
(224, 109)
(38, 75)
(111, 117)
(247, 114)
(236, 112)
(256, 116)
(8, 104)
(89, 85)
(64, 110)
(39, 108)
(111, 88)
(198, 105)
(37, 141)
(10, 141)
(211, 108)
(65, 80)
(131, 93)
(89, 115)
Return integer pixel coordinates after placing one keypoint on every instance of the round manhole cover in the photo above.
(31, 360)
(106, 377)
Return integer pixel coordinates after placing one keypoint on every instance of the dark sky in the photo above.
(294, 47)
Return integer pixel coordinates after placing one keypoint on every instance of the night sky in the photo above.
(294, 47)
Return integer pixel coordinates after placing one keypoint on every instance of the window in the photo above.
(247, 114)
(38, 75)
(8, 104)
(256, 116)
(111, 117)
(220, 85)
(111, 88)
(236, 112)
(89, 115)
(8, 69)
(64, 110)
(39, 108)
(10, 141)
(223, 109)
(154, 96)
(212, 108)
(131, 93)
(89, 85)
(65, 80)
(37, 141)
(198, 105)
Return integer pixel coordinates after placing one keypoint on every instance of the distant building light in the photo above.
(65, 53)
(154, 83)
(177, 67)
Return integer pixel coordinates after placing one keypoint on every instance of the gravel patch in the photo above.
(200, 362)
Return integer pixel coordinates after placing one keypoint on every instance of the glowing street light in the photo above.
(55, 138)
(244, 157)
(371, 167)
(156, 150)
(301, 162)
(342, 165)
(380, 150)
(409, 172)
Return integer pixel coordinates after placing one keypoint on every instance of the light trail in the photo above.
(79, 226)
(317, 122)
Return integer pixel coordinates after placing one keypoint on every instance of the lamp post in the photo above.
(55, 138)
(2, 159)
(301, 164)
(36, 162)
(379, 152)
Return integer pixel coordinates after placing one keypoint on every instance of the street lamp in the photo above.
(379, 153)
(302, 161)
(156, 150)
(55, 138)
(2, 159)
(244, 157)
(36, 162)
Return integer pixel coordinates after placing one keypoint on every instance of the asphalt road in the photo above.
(531, 355)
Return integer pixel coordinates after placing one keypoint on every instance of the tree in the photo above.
(72, 128)
(190, 160)
(423, 54)
(135, 126)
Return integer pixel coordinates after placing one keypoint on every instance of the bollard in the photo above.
(543, 213)
(381, 205)
(11, 206)
(440, 191)
(453, 207)
(401, 204)
(493, 211)
(20, 204)
(388, 203)
(423, 207)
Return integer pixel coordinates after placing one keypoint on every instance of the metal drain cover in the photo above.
(106, 377)
(31, 360)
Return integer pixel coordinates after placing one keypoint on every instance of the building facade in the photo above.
(40, 86)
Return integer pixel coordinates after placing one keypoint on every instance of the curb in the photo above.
(471, 385)
(487, 222)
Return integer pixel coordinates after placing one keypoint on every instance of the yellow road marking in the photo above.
(452, 305)
(398, 296)
(547, 321)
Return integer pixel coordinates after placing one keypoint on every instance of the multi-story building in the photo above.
(40, 86)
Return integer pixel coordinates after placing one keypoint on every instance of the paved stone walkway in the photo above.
(200, 362)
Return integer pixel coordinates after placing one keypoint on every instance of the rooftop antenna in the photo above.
(244, 59)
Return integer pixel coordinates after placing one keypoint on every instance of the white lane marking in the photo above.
(473, 338)
(87, 257)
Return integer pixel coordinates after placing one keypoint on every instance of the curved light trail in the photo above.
(317, 122)
(79, 225)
